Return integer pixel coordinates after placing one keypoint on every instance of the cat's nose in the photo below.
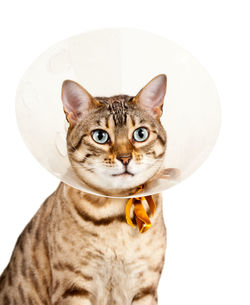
(124, 158)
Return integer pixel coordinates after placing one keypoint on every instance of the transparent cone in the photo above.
(119, 61)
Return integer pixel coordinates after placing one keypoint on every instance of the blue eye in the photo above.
(100, 136)
(140, 134)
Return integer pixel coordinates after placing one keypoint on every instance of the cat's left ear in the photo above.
(151, 97)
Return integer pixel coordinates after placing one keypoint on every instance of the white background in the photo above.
(207, 216)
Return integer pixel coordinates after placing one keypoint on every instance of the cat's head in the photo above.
(116, 143)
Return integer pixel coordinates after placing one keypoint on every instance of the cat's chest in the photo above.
(125, 250)
(124, 259)
(105, 246)
(115, 244)
(113, 257)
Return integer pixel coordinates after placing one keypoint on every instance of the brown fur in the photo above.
(119, 116)
(85, 258)
(78, 249)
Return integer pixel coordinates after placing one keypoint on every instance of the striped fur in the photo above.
(78, 248)
(96, 164)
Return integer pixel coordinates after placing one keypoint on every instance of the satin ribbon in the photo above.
(142, 219)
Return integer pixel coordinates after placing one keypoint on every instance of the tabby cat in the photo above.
(78, 249)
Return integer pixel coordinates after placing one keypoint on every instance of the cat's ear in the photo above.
(151, 97)
(76, 101)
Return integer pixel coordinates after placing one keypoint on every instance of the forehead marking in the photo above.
(118, 110)
(117, 107)
(107, 122)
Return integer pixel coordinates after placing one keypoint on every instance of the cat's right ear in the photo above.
(151, 97)
(76, 101)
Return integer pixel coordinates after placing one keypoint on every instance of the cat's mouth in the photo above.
(125, 173)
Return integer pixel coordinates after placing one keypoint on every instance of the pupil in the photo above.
(100, 135)
(141, 133)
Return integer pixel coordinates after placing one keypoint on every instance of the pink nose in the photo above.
(124, 158)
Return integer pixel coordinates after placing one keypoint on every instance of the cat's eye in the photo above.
(141, 134)
(100, 136)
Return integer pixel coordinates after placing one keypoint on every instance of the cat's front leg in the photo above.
(145, 296)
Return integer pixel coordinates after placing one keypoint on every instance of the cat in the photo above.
(78, 248)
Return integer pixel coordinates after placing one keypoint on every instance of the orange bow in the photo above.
(142, 220)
